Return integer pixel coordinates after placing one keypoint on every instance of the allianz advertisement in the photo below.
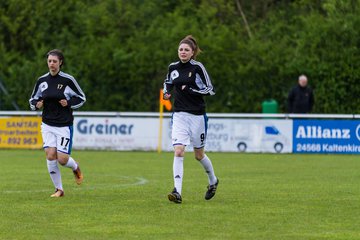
(326, 136)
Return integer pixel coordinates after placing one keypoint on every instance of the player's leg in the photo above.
(178, 173)
(207, 164)
(54, 171)
(209, 169)
(180, 138)
(49, 140)
(67, 161)
(199, 132)
(64, 145)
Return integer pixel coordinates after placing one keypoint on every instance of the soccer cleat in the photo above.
(174, 196)
(58, 193)
(210, 193)
(78, 175)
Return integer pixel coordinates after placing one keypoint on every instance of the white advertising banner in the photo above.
(244, 135)
(224, 135)
(116, 133)
(263, 135)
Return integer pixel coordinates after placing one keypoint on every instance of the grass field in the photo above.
(124, 196)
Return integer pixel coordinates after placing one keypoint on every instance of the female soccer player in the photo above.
(58, 93)
(190, 82)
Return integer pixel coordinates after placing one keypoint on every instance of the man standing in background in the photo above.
(301, 97)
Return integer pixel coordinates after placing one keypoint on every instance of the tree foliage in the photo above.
(119, 50)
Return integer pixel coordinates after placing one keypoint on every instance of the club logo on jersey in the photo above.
(43, 86)
(59, 86)
(174, 74)
(190, 74)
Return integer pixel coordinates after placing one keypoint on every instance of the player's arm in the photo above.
(75, 95)
(168, 86)
(203, 82)
(35, 100)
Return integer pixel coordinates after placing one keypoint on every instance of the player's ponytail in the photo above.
(191, 41)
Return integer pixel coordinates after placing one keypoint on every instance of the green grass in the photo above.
(124, 196)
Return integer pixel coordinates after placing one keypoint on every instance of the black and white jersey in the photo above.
(51, 89)
(196, 80)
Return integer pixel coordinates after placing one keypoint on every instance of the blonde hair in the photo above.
(191, 41)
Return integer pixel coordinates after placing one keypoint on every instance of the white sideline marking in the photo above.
(138, 181)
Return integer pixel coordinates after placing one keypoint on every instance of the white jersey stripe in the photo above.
(81, 95)
(209, 88)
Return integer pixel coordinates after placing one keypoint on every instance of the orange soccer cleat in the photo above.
(78, 175)
(58, 193)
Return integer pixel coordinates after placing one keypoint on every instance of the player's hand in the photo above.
(63, 102)
(40, 104)
(167, 96)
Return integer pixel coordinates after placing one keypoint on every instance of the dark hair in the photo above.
(191, 41)
(58, 53)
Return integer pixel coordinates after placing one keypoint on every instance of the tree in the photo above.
(119, 50)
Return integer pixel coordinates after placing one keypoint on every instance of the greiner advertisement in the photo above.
(115, 133)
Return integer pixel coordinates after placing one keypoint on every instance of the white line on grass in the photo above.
(137, 182)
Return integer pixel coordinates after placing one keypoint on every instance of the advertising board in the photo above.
(20, 132)
(326, 136)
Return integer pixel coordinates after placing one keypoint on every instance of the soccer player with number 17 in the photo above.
(58, 94)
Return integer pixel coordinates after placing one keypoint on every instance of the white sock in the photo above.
(178, 170)
(71, 164)
(55, 174)
(206, 163)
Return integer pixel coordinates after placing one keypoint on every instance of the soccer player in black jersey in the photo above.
(58, 94)
(187, 81)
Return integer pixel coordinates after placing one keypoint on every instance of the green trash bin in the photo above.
(269, 106)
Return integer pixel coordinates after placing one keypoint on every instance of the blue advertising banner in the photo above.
(326, 136)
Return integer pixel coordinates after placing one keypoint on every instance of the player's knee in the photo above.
(63, 160)
(199, 156)
(51, 156)
(199, 153)
(179, 152)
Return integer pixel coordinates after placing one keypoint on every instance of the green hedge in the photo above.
(119, 50)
